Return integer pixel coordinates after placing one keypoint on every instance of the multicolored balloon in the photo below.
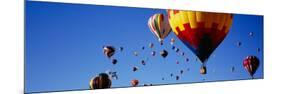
(251, 64)
(108, 51)
(159, 26)
(164, 53)
(202, 32)
(100, 82)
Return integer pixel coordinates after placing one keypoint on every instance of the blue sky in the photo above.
(63, 48)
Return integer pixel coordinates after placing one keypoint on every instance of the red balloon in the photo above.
(135, 82)
(251, 64)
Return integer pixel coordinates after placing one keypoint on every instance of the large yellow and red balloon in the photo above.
(202, 32)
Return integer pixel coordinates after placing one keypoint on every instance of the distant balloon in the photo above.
(251, 34)
(182, 53)
(172, 41)
(164, 53)
(177, 77)
(142, 48)
(134, 82)
(258, 49)
(173, 47)
(178, 62)
(203, 70)
(232, 69)
(153, 53)
(187, 69)
(135, 69)
(108, 51)
(159, 26)
(239, 44)
(136, 53)
(163, 79)
(114, 61)
(100, 82)
(171, 75)
(142, 62)
(177, 50)
(251, 64)
(121, 49)
(145, 85)
(151, 45)
(181, 71)
(186, 59)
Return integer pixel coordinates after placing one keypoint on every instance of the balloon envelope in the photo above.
(134, 82)
(100, 82)
(251, 64)
(159, 26)
(108, 51)
(164, 53)
(202, 32)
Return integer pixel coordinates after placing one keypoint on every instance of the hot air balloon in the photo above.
(163, 79)
(202, 32)
(114, 61)
(145, 85)
(177, 62)
(164, 53)
(108, 51)
(251, 64)
(173, 47)
(171, 74)
(181, 71)
(134, 82)
(135, 69)
(153, 53)
(177, 50)
(239, 44)
(100, 82)
(121, 49)
(187, 69)
(159, 26)
(136, 53)
(182, 53)
(186, 59)
(142, 62)
(172, 41)
(251, 34)
(203, 70)
(258, 49)
(232, 69)
(151, 45)
(177, 77)
(142, 47)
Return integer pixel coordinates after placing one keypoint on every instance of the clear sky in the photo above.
(63, 48)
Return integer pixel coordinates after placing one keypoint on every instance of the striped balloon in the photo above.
(100, 82)
(202, 32)
(159, 26)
